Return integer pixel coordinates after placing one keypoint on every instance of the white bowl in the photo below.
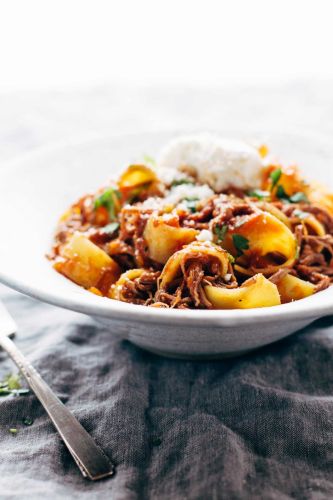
(38, 187)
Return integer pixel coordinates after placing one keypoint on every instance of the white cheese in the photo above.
(205, 235)
(153, 203)
(218, 162)
(179, 193)
(169, 175)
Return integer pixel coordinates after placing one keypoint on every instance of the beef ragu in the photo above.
(181, 244)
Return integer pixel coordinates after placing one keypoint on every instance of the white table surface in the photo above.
(32, 119)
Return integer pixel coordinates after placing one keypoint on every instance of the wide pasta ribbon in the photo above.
(257, 291)
(164, 237)
(270, 244)
(190, 267)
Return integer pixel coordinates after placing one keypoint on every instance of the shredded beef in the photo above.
(141, 290)
(314, 261)
(277, 277)
(200, 220)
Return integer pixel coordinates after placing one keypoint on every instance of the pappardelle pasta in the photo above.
(163, 237)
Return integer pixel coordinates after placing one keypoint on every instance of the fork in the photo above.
(90, 459)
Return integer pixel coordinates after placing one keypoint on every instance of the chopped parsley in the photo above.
(231, 258)
(27, 421)
(294, 198)
(191, 203)
(240, 243)
(300, 214)
(136, 192)
(280, 191)
(299, 197)
(275, 177)
(179, 182)
(148, 159)
(108, 200)
(259, 193)
(220, 232)
(12, 381)
(281, 194)
(110, 228)
(11, 385)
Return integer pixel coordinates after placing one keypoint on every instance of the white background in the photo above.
(62, 43)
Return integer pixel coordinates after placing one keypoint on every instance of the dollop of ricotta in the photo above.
(218, 162)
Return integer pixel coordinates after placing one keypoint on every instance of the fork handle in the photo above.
(91, 460)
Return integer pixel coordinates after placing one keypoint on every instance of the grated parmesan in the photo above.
(183, 191)
(177, 194)
(205, 235)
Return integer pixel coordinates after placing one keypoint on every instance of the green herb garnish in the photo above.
(136, 192)
(281, 194)
(110, 228)
(148, 159)
(300, 214)
(295, 198)
(241, 243)
(13, 430)
(298, 197)
(220, 232)
(27, 421)
(11, 385)
(107, 200)
(231, 258)
(258, 193)
(191, 203)
(179, 182)
(13, 381)
(275, 177)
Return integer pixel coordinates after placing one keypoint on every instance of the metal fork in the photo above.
(91, 460)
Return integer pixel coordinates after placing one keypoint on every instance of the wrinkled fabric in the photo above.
(260, 426)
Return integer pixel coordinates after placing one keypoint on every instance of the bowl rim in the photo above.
(107, 308)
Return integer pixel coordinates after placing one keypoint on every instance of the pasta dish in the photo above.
(212, 224)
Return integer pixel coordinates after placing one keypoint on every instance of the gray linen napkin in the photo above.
(260, 426)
